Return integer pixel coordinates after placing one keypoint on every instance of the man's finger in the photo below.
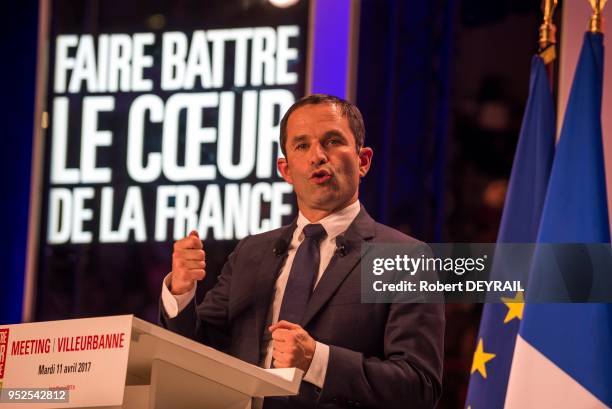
(279, 364)
(279, 359)
(280, 334)
(284, 347)
(189, 242)
(189, 264)
(196, 274)
(195, 242)
(285, 325)
(189, 254)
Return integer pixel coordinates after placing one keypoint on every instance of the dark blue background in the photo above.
(18, 78)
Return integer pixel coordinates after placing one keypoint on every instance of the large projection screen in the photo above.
(158, 118)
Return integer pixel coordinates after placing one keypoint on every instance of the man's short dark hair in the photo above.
(347, 110)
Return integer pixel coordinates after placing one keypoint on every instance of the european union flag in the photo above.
(520, 220)
(563, 354)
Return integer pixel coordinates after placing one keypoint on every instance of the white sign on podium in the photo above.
(124, 362)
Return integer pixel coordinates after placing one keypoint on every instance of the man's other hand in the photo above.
(292, 346)
(187, 263)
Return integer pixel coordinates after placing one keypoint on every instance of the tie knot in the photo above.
(314, 231)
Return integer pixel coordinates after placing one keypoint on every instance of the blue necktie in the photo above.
(302, 275)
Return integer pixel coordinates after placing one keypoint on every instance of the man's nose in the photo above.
(318, 155)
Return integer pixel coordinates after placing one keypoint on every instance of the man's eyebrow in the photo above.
(334, 132)
(298, 139)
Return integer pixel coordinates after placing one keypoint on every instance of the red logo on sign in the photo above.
(4, 333)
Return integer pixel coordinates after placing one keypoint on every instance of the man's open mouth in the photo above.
(320, 176)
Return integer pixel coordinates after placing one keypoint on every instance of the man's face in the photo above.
(322, 161)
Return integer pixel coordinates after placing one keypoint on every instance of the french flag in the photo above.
(563, 353)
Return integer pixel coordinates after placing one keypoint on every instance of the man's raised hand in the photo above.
(188, 265)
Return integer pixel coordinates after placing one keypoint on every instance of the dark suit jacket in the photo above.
(381, 355)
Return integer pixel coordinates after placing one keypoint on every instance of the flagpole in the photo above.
(548, 38)
(596, 22)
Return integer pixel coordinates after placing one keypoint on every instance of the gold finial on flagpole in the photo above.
(548, 31)
(596, 21)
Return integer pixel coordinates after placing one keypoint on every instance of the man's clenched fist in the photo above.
(292, 346)
(187, 263)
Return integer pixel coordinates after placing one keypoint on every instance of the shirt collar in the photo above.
(334, 224)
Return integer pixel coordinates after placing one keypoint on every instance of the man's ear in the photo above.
(365, 160)
(283, 167)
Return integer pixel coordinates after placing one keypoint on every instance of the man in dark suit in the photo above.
(291, 297)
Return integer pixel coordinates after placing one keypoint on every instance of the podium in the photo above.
(150, 368)
(165, 368)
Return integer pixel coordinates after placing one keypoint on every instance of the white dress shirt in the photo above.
(334, 225)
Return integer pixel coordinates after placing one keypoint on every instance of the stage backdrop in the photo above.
(160, 117)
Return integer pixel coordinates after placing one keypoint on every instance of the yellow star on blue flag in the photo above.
(480, 359)
(515, 306)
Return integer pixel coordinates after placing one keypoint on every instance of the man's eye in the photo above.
(333, 142)
(300, 146)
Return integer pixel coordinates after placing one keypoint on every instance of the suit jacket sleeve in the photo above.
(208, 321)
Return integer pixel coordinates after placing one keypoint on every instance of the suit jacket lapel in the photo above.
(362, 228)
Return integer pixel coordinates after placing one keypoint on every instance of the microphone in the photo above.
(342, 246)
(280, 247)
